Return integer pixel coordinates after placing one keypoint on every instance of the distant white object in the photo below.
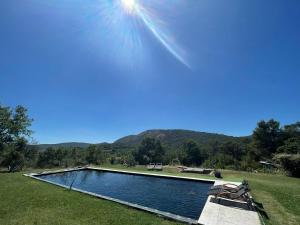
(153, 166)
(265, 163)
(195, 170)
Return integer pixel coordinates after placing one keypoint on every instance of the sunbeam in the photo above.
(134, 8)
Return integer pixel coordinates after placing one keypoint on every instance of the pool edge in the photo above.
(152, 174)
(136, 206)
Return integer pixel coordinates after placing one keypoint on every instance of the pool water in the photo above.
(177, 196)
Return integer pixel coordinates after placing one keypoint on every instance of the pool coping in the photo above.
(152, 174)
(136, 206)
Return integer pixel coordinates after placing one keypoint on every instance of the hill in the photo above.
(63, 145)
(174, 138)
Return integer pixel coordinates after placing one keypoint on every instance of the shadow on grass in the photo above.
(7, 171)
(260, 209)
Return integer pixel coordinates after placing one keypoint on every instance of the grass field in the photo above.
(26, 201)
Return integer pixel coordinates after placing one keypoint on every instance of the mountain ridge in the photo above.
(171, 138)
(174, 137)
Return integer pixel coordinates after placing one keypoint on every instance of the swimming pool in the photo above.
(181, 199)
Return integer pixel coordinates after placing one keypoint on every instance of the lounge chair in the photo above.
(158, 166)
(151, 166)
(242, 194)
(231, 187)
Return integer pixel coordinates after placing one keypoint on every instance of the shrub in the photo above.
(290, 162)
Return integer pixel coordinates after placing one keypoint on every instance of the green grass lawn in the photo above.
(27, 201)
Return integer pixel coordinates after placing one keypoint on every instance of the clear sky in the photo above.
(96, 70)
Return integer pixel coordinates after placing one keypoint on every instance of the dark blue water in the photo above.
(177, 196)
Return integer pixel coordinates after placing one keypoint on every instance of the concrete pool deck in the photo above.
(217, 214)
(212, 213)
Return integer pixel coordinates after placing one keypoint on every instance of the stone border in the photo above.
(136, 206)
(152, 174)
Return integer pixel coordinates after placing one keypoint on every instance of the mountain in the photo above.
(63, 145)
(174, 138)
(171, 139)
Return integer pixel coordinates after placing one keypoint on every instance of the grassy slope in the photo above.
(27, 201)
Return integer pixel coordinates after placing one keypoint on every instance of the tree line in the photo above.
(268, 142)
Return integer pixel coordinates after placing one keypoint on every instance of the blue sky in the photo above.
(90, 70)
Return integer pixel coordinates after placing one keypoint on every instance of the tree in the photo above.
(14, 124)
(128, 159)
(150, 150)
(14, 160)
(267, 136)
(47, 158)
(233, 152)
(192, 153)
(94, 155)
(290, 146)
(233, 149)
(250, 159)
(291, 130)
(289, 155)
(76, 156)
(290, 162)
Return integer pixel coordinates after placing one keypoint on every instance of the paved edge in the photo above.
(215, 214)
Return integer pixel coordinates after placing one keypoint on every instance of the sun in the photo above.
(129, 5)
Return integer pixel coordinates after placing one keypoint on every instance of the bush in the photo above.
(291, 146)
(218, 174)
(14, 161)
(290, 162)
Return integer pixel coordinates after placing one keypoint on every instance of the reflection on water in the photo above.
(181, 197)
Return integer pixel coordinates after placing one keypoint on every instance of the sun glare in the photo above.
(129, 5)
(131, 15)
